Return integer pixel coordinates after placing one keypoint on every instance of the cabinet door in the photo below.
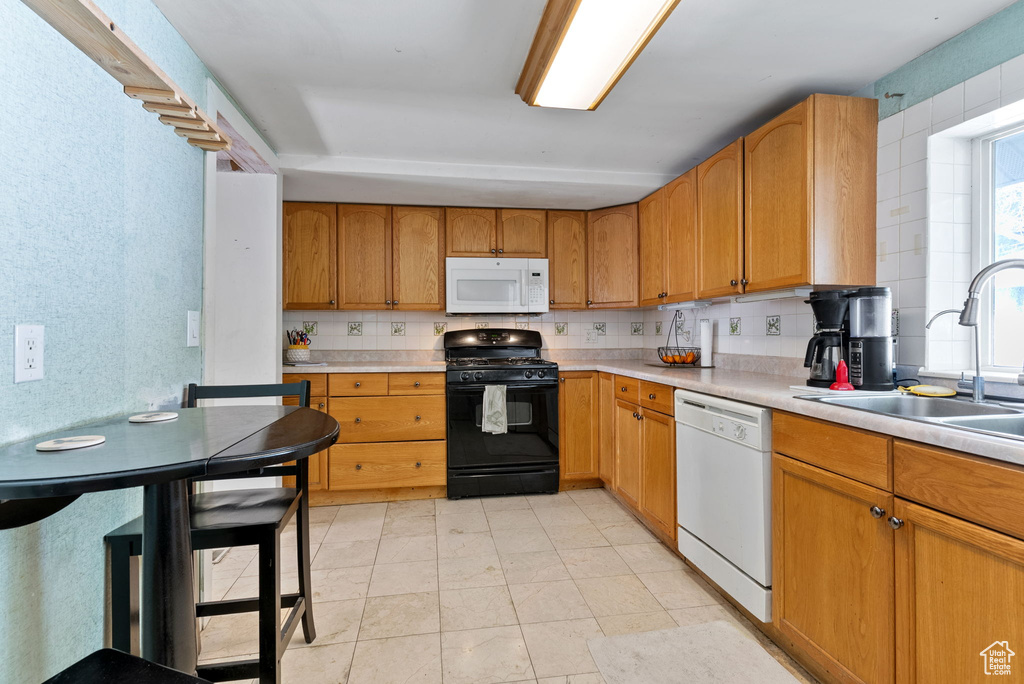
(418, 258)
(310, 256)
(777, 167)
(627, 451)
(577, 421)
(606, 428)
(681, 229)
(567, 259)
(720, 223)
(832, 566)
(658, 471)
(317, 462)
(959, 590)
(612, 268)
(522, 233)
(364, 256)
(471, 232)
(651, 212)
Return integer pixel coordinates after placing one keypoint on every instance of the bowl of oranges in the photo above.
(679, 356)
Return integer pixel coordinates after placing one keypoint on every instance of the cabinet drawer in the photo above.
(982, 491)
(657, 397)
(389, 419)
(318, 403)
(857, 454)
(375, 466)
(416, 383)
(317, 382)
(358, 384)
(627, 389)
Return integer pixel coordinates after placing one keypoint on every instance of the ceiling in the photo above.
(406, 101)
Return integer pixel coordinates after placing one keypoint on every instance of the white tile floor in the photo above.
(473, 591)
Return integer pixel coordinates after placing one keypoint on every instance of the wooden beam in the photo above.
(241, 153)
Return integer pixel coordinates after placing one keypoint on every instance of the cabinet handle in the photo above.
(561, 379)
(321, 404)
(418, 464)
(895, 523)
(417, 417)
(551, 302)
(639, 417)
(358, 384)
(493, 251)
(589, 302)
(650, 396)
(501, 251)
(359, 420)
(623, 389)
(416, 384)
(743, 281)
(395, 302)
(359, 466)
(877, 512)
(388, 302)
(733, 283)
(332, 302)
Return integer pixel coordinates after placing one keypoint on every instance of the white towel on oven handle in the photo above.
(495, 412)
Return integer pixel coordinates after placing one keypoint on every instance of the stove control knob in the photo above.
(541, 374)
(478, 375)
(529, 373)
(465, 375)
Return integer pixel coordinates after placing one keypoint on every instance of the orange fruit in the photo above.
(690, 356)
(677, 358)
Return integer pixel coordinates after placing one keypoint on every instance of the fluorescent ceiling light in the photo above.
(582, 48)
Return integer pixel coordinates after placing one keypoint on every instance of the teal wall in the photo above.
(101, 241)
(981, 47)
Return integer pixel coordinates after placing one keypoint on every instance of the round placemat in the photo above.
(156, 417)
(65, 443)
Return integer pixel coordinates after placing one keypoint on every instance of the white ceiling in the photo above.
(412, 101)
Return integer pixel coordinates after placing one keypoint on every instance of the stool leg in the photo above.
(120, 596)
(305, 583)
(270, 610)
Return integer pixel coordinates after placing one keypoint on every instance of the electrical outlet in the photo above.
(28, 353)
(192, 329)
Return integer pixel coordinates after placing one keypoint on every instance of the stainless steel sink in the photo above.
(912, 406)
(1008, 426)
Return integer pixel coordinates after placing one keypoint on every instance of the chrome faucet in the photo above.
(969, 315)
(977, 385)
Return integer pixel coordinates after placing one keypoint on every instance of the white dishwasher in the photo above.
(723, 487)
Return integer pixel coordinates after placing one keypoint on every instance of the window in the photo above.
(1000, 235)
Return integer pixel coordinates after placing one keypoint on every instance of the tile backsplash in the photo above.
(772, 328)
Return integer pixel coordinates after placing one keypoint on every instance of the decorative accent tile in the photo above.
(657, 328)
(561, 328)
(440, 329)
(773, 325)
(355, 328)
(895, 322)
(397, 329)
(309, 327)
(601, 328)
(483, 324)
(735, 326)
(522, 326)
(636, 328)
(680, 323)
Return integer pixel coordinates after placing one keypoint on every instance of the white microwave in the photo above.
(484, 286)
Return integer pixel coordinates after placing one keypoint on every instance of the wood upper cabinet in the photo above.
(809, 195)
(627, 452)
(720, 223)
(522, 233)
(658, 471)
(310, 255)
(567, 259)
(471, 232)
(833, 571)
(577, 425)
(364, 256)
(612, 256)
(653, 243)
(606, 428)
(959, 589)
(681, 240)
(418, 258)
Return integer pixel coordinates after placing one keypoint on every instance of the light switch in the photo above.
(192, 334)
(28, 353)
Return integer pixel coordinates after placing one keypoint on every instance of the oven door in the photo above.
(532, 437)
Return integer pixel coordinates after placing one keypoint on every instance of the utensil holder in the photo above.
(296, 352)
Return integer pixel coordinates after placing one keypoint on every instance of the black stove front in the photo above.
(525, 459)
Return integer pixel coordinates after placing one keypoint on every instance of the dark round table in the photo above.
(160, 457)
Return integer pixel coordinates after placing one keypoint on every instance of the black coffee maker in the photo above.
(828, 345)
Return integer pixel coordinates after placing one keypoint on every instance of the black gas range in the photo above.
(525, 459)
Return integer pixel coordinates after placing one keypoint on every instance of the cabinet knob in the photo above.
(561, 379)
(551, 302)
(650, 396)
(895, 523)
(418, 464)
(634, 414)
(388, 302)
(733, 283)
(877, 512)
(358, 384)
(743, 281)
(395, 302)
(416, 384)
(639, 417)
(359, 466)
(501, 251)
(332, 302)
(589, 302)
(623, 389)
(321, 405)
(417, 417)
(493, 251)
(359, 420)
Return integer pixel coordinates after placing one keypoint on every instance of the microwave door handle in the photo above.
(524, 297)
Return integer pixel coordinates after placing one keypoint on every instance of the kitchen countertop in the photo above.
(761, 389)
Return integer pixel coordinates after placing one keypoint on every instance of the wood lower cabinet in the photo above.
(309, 255)
(606, 428)
(389, 419)
(471, 232)
(833, 571)
(627, 452)
(567, 259)
(418, 246)
(364, 256)
(658, 471)
(577, 425)
(653, 248)
(522, 233)
(317, 462)
(387, 465)
(612, 258)
(720, 223)
(960, 590)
